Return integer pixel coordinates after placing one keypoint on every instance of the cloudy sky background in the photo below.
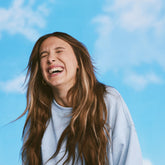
(126, 41)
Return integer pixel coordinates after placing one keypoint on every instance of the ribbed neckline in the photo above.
(61, 107)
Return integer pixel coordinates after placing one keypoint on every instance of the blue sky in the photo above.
(126, 41)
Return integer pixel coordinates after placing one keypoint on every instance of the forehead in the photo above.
(53, 42)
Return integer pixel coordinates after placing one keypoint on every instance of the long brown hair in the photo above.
(87, 129)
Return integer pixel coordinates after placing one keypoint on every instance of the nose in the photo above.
(51, 58)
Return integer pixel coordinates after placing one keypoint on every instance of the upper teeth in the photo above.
(55, 69)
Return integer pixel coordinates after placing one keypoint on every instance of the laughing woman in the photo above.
(72, 118)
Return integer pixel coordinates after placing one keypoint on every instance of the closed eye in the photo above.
(59, 51)
(43, 54)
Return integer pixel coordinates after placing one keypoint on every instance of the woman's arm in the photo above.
(124, 147)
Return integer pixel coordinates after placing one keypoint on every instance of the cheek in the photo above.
(74, 62)
(73, 66)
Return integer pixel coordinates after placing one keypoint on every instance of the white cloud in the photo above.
(140, 81)
(127, 39)
(136, 14)
(104, 31)
(106, 24)
(147, 162)
(25, 19)
(13, 86)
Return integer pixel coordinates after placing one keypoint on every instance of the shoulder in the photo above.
(112, 97)
(117, 109)
(111, 92)
(124, 141)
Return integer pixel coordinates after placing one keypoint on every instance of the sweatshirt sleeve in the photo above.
(124, 146)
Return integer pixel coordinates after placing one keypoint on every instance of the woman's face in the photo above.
(58, 63)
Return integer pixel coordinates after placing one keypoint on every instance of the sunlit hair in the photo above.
(87, 130)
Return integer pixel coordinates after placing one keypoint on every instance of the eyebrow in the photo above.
(57, 48)
(60, 47)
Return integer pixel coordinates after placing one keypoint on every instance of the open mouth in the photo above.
(55, 70)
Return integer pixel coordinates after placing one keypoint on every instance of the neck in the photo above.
(60, 95)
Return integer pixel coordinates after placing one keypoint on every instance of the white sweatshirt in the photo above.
(124, 148)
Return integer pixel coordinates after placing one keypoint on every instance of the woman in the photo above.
(71, 117)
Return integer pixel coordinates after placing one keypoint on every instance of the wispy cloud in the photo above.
(147, 162)
(13, 86)
(137, 14)
(139, 81)
(23, 18)
(129, 36)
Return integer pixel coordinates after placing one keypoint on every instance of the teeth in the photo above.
(57, 69)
